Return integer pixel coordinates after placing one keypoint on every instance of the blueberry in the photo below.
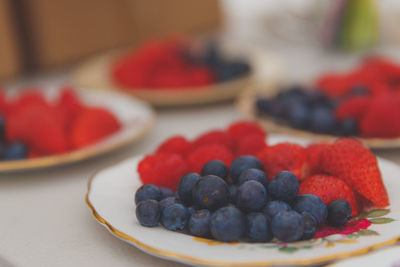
(199, 223)
(310, 225)
(228, 224)
(258, 228)
(2, 128)
(348, 127)
(15, 151)
(215, 167)
(243, 163)
(277, 110)
(166, 192)
(299, 116)
(253, 174)
(148, 191)
(233, 189)
(211, 192)
(229, 71)
(263, 105)
(339, 212)
(185, 187)
(322, 120)
(312, 204)
(274, 207)
(212, 55)
(167, 202)
(313, 97)
(251, 196)
(284, 186)
(175, 217)
(288, 226)
(148, 212)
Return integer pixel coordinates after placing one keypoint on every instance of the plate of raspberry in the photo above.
(362, 103)
(112, 202)
(49, 126)
(173, 71)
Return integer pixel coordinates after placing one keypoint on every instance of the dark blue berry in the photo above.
(348, 127)
(185, 187)
(148, 191)
(215, 167)
(233, 189)
(229, 71)
(258, 228)
(148, 212)
(167, 201)
(15, 151)
(253, 174)
(251, 196)
(310, 225)
(199, 223)
(228, 224)
(211, 192)
(314, 97)
(2, 128)
(274, 207)
(322, 120)
(288, 226)
(175, 217)
(166, 192)
(243, 163)
(277, 110)
(299, 116)
(284, 186)
(339, 212)
(263, 105)
(311, 204)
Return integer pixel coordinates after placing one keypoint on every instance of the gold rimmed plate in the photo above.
(110, 198)
(245, 104)
(135, 116)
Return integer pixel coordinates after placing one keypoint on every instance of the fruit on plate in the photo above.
(32, 126)
(175, 62)
(235, 201)
(362, 102)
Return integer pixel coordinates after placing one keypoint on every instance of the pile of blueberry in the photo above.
(307, 110)
(12, 151)
(245, 207)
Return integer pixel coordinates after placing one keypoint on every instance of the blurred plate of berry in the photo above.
(174, 71)
(48, 126)
(362, 102)
(230, 197)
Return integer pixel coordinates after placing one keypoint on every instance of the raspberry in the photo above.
(201, 76)
(240, 129)
(251, 145)
(175, 144)
(215, 137)
(92, 125)
(354, 108)
(201, 155)
(162, 169)
(313, 155)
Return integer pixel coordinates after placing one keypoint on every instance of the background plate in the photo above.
(110, 197)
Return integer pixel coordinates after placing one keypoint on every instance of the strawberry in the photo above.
(175, 144)
(329, 188)
(284, 157)
(349, 160)
(313, 156)
(92, 125)
(240, 129)
(354, 107)
(215, 137)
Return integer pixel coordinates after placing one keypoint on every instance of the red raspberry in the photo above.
(313, 155)
(162, 169)
(92, 125)
(240, 129)
(201, 155)
(251, 145)
(200, 76)
(175, 144)
(3, 102)
(354, 108)
(69, 101)
(215, 137)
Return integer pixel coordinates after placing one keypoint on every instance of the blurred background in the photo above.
(42, 35)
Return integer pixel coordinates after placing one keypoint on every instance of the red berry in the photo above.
(175, 144)
(201, 155)
(355, 108)
(162, 169)
(251, 145)
(240, 129)
(215, 137)
(313, 155)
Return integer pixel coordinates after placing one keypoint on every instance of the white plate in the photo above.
(110, 197)
(136, 118)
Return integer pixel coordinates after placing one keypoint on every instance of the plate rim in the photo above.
(80, 154)
(193, 260)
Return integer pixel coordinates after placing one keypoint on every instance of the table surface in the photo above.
(44, 218)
